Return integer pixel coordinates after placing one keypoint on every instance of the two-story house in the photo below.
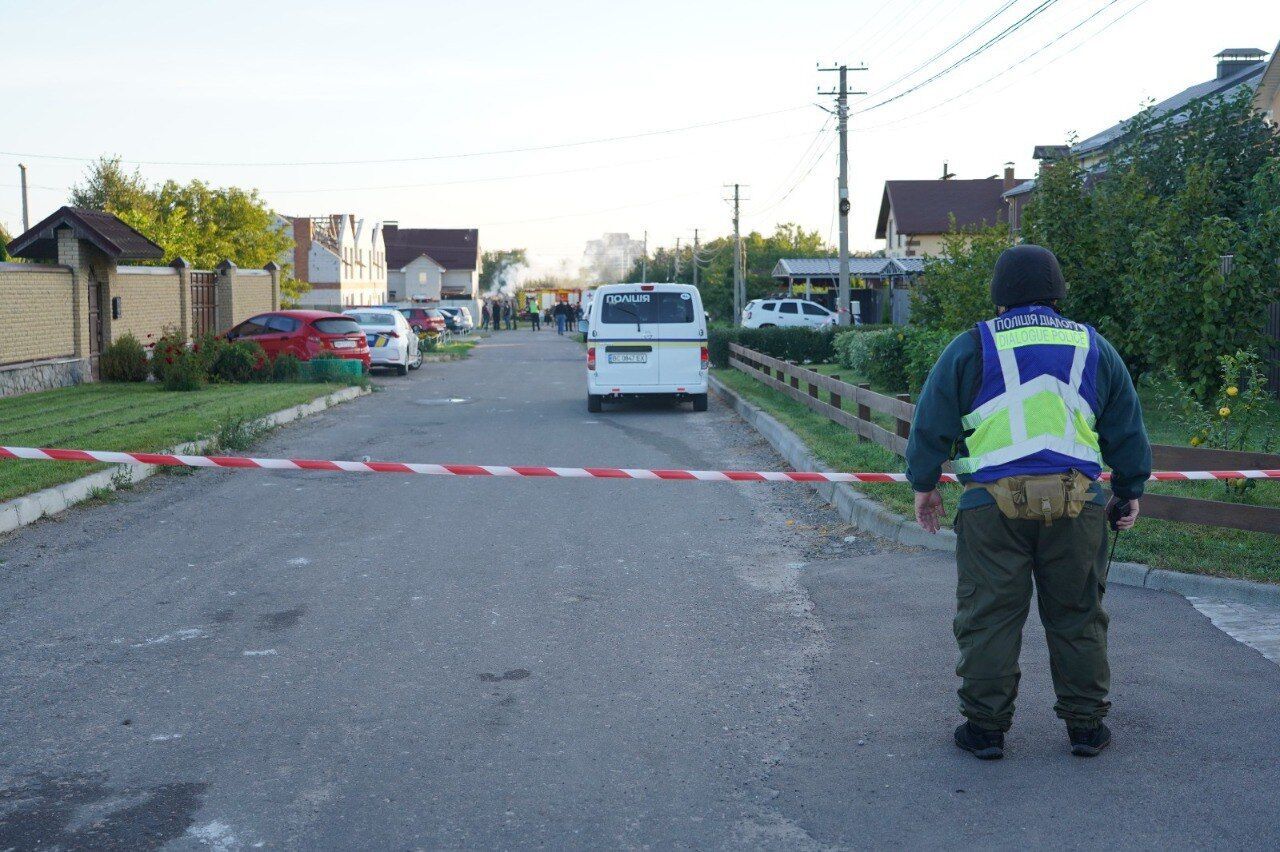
(433, 265)
(342, 258)
(916, 214)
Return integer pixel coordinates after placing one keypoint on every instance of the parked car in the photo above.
(429, 320)
(392, 342)
(304, 334)
(771, 313)
(458, 318)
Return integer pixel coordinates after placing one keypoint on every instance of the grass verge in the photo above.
(127, 417)
(1161, 544)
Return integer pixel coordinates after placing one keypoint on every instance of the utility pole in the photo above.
(26, 219)
(644, 260)
(675, 264)
(739, 280)
(842, 119)
(695, 257)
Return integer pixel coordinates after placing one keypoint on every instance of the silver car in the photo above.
(392, 343)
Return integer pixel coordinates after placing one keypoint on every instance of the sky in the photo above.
(453, 97)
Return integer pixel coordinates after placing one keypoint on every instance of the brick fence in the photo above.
(56, 318)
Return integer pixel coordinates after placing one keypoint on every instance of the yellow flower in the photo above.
(1195, 442)
(1233, 390)
(1224, 412)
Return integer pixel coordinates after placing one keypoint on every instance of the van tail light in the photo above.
(646, 288)
(706, 358)
(591, 358)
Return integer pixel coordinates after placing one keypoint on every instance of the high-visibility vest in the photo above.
(1037, 405)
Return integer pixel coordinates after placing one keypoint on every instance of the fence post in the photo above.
(274, 269)
(795, 380)
(904, 426)
(864, 411)
(835, 397)
(183, 268)
(813, 390)
(225, 279)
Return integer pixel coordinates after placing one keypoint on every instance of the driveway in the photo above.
(233, 659)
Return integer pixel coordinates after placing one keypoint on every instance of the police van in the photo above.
(646, 340)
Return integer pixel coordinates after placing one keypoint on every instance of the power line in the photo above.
(992, 42)
(952, 46)
(426, 157)
(913, 117)
(812, 166)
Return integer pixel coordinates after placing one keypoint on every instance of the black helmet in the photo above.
(1026, 274)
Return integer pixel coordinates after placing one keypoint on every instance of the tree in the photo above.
(196, 221)
(715, 263)
(1142, 240)
(955, 290)
(4, 242)
(496, 267)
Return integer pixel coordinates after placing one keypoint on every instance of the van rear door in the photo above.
(681, 332)
(626, 341)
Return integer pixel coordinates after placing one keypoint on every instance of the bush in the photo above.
(802, 345)
(183, 372)
(124, 361)
(241, 361)
(166, 351)
(923, 347)
(286, 368)
(207, 348)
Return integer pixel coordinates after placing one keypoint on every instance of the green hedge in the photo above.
(893, 360)
(802, 345)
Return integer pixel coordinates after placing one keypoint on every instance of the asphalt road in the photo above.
(294, 660)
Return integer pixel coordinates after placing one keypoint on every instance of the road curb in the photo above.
(23, 511)
(866, 514)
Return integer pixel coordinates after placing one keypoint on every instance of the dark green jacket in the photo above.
(953, 385)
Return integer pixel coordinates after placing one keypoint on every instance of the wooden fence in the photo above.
(852, 405)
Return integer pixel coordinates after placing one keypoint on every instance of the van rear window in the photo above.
(621, 308)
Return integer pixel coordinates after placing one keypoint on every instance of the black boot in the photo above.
(981, 743)
(1087, 742)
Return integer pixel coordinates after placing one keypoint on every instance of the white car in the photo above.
(647, 340)
(392, 342)
(464, 320)
(771, 313)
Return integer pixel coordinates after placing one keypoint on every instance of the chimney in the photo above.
(947, 174)
(1233, 60)
(1009, 180)
(302, 248)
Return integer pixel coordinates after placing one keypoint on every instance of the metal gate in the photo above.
(204, 303)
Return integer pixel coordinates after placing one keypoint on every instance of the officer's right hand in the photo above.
(929, 510)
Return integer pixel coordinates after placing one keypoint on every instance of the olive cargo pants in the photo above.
(997, 558)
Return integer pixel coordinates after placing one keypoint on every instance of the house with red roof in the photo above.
(916, 214)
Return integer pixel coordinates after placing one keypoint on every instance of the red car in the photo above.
(304, 334)
(424, 319)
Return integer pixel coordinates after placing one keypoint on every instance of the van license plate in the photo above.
(629, 358)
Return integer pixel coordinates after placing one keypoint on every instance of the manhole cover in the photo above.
(444, 400)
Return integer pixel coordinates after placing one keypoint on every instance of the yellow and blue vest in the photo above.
(1037, 403)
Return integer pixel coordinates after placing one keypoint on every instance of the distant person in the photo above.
(506, 314)
(562, 316)
(495, 316)
(484, 317)
(534, 320)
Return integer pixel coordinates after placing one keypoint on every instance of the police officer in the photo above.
(1029, 405)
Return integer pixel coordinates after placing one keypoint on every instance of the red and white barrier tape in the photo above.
(241, 462)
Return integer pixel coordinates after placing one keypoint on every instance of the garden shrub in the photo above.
(124, 361)
(802, 345)
(183, 371)
(923, 347)
(238, 362)
(286, 368)
(166, 351)
(207, 348)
